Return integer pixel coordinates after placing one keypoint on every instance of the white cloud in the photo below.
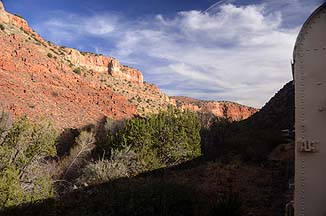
(64, 27)
(237, 53)
(232, 53)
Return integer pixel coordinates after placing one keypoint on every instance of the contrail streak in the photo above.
(216, 4)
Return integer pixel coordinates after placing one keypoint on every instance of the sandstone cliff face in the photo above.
(229, 110)
(89, 61)
(33, 84)
(125, 72)
(19, 22)
(72, 88)
(3, 15)
(98, 63)
(103, 64)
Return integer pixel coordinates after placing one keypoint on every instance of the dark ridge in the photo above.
(278, 113)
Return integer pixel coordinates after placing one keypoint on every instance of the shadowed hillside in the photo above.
(194, 188)
(278, 113)
(256, 137)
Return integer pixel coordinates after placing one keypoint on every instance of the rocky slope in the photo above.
(72, 88)
(229, 110)
(278, 113)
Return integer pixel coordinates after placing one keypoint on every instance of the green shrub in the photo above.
(123, 163)
(49, 55)
(17, 15)
(77, 70)
(24, 176)
(159, 140)
(103, 171)
(2, 27)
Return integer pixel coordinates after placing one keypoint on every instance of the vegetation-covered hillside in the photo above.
(148, 166)
(31, 170)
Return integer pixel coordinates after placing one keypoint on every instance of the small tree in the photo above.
(23, 149)
(84, 144)
(77, 71)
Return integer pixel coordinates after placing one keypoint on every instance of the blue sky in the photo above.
(218, 50)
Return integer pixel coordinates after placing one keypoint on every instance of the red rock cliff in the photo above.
(89, 61)
(40, 85)
(103, 64)
(125, 72)
(73, 88)
(9, 18)
(230, 110)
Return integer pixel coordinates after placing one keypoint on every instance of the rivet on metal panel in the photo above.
(319, 83)
(321, 109)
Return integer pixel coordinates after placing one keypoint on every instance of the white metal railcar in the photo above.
(310, 118)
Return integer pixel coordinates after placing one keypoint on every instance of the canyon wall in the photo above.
(72, 88)
(103, 64)
(224, 109)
